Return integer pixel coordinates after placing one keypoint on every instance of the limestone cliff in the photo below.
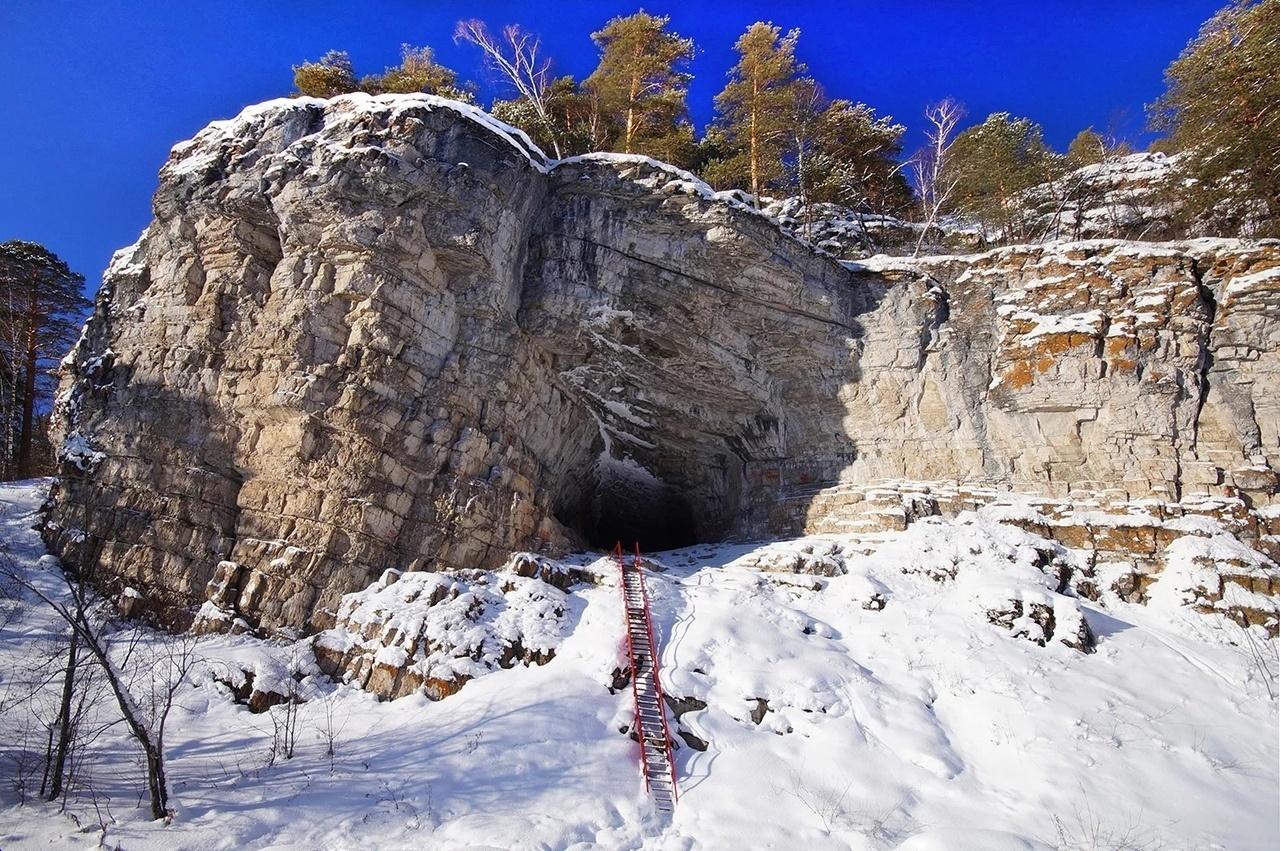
(373, 333)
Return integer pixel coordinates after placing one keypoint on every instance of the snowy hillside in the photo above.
(904, 700)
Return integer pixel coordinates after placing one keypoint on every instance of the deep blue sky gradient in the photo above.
(94, 93)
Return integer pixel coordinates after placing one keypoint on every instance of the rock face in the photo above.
(1131, 197)
(429, 633)
(1086, 366)
(386, 333)
(849, 234)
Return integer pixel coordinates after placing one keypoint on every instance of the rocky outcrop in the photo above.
(1131, 197)
(429, 633)
(849, 234)
(1140, 196)
(1220, 555)
(386, 333)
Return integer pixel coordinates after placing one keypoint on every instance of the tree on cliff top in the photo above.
(516, 56)
(1087, 148)
(992, 165)
(41, 311)
(333, 74)
(418, 71)
(640, 82)
(855, 161)
(935, 179)
(1222, 109)
(569, 124)
(755, 107)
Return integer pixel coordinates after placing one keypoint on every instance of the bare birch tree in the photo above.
(517, 57)
(929, 166)
(144, 682)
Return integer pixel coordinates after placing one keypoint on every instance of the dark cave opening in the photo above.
(625, 503)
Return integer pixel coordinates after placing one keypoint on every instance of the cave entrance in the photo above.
(624, 502)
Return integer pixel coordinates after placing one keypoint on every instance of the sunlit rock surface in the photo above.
(387, 333)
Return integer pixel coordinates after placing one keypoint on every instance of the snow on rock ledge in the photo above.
(429, 633)
(324, 120)
(1214, 555)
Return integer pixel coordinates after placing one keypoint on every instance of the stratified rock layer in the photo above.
(385, 333)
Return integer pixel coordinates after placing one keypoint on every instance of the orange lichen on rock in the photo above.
(1038, 356)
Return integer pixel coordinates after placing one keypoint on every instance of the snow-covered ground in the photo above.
(875, 709)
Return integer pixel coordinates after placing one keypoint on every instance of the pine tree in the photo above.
(755, 107)
(1087, 148)
(679, 147)
(418, 71)
(40, 315)
(718, 161)
(572, 122)
(856, 160)
(640, 82)
(1220, 107)
(332, 75)
(992, 164)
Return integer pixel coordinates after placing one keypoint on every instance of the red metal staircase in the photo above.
(650, 726)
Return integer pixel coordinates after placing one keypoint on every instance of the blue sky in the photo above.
(94, 93)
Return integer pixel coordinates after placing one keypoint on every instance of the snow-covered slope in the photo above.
(878, 708)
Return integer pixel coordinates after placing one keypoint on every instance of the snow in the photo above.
(203, 151)
(69, 359)
(77, 450)
(1059, 253)
(126, 262)
(602, 317)
(689, 183)
(447, 627)
(923, 725)
(1088, 323)
(1242, 284)
(625, 411)
(1191, 571)
(1131, 168)
(696, 183)
(1194, 524)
